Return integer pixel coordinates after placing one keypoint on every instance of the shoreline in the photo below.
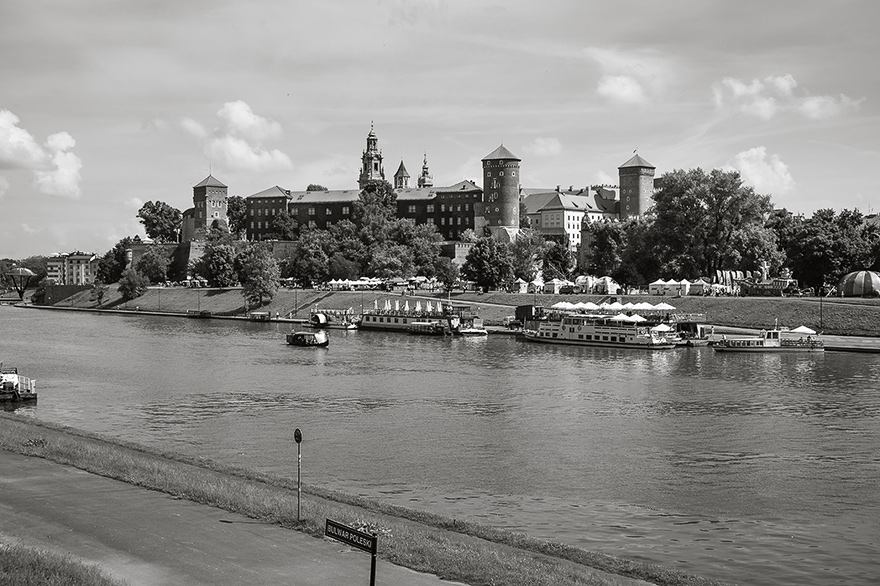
(421, 541)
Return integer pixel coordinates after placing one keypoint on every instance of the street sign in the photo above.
(351, 536)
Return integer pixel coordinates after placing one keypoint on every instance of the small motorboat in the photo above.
(16, 388)
(316, 339)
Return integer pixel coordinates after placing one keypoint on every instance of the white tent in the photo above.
(642, 306)
(616, 306)
(662, 328)
(658, 287)
(803, 330)
(662, 306)
(620, 317)
(637, 318)
(565, 305)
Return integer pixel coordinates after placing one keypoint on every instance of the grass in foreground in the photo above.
(449, 548)
(27, 566)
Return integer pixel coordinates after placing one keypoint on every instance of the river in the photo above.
(758, 469)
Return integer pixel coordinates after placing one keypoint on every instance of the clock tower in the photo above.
(371, 161)
(636, 186)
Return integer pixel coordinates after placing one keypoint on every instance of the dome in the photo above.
(859, 284)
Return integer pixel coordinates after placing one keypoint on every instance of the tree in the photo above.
(391, 261)
(153, 265)
(315, 187)
(132, 284)
(99, 290)
(702, 219)
(114, 261)
(446, 271)
(488, 264)
(217, 264)
(308, 261)
(378, 198)
(38, 264)
(608, 245)
(285, 226)
(342, 268)
(525, 254)
(161, 222)
(258, 274)
(827, 246)
(236, 215)
(558, 261)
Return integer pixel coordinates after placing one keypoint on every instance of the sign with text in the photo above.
(351, 536)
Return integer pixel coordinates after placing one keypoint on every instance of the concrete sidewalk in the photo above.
(149, 538)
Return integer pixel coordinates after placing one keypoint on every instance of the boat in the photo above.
(315, 339)
(769, 341)
(473, 328)
(15, 387)
(399, 318)
(334, 319)
(596, 330)
(426, 328)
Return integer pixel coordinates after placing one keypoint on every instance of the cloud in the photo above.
(630, 77)
(28, 230)
(4, 186)
(774, 95)
(56, 170)
(544, 147)
(768, 175)
(237, 142)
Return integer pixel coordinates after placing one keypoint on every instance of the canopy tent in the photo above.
(859, 284)
(662, 328)
(803, 330)
(565, 305)
(663, 306)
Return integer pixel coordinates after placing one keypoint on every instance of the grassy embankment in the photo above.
(23, 566)
(450, 548)
(841, 316)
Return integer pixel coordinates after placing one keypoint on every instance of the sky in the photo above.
(108, 104)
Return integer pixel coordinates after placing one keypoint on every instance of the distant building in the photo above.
(73, 268)
(208, 211)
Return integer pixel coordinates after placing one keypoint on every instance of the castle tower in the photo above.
(371, 161)
(425, 179)
(401, 178)
(501, 193)
(209, 203)
(636, 178)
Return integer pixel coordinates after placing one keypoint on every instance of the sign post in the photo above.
(298, 438)
(357, 539)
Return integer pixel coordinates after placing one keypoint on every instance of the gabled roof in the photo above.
(537, 199)
(209, 181)
(338, 195)
(501, 153)
(581, 203)
(415, 193)
(401, 171)
(637, 161)
(465, 185)
(271, 192)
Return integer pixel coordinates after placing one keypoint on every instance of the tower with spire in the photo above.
(401, 177)
(371, 161)
(425, 179)
(636, 178)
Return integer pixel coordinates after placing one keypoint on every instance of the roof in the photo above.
(637, 161)
(401, 171)
(501, 153)
(274, 191)
(569, 202)
(537, 200)
(209, 181)
(465, 185)
(338, 195)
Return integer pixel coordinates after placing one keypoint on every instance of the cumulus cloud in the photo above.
(237, 141)
(56, 170)
(767, 174)
(773, 95)
(544, 147)
(630, 77)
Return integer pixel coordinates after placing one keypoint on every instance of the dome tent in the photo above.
(859, 284)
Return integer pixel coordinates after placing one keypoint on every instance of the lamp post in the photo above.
(298, 438)
(20, 277)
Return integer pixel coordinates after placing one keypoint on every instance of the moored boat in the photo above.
(597, 330)
(335, 319)
(397, 318)
(15, 387)
(769, 341)
(316, 339)
(426, 328)
(473, 328)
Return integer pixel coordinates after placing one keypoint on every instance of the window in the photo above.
(259, 225)
(329, 211)
(311, 211)
(344, 210)
(411, 209)
(442, 207)
(259, 212)
(252, 224)
(467, 207)
(252, 211)
(430, 208)
(442, 221)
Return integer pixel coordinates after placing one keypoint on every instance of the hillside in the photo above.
(842, 316)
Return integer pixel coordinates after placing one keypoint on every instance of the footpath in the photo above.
(148, 538)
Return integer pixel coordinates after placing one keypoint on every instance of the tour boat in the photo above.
(319, 338)
(16, 388)
(597, 330)
(398, 319)
(769, 341)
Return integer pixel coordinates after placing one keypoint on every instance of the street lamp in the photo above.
(20, 278)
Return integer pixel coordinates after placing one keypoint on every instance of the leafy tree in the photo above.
(217, 264)
(315, 187)
(113, 262)
(525, 254)
(446, 271)
(639, 260)
(468, 236)
(378, 198)
(38, 264)
(423, 242)
(284, 226)
(258, 274)
(558, 261)
(391, 261)
(132, 284)
(161, 222)
(236, 215)
(308, 261)
(153, 265)
(702, 219)
(608, 246)
(99, 290)
(488, 264)
(827, 246)
(342, 268)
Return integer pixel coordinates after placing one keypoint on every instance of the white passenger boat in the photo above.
(15, 387)
(399, 318)
(309, 339)
(769, 341)
(596, 330)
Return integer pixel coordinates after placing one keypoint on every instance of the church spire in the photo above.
(425, 179)
(371, 161)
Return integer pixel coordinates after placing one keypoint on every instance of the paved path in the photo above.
(150, 538)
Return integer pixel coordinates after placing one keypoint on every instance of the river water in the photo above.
(759, 469)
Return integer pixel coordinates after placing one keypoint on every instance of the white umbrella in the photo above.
(387, 305)
(418, 305)
(376, 303)
(588, 306)
(616, 306)
(663, 306)
(620, 317)
(406, 305)
(428, 307)
(642, 305)
(637, 318)
(396, 305)
(661, 328)
(803, 330)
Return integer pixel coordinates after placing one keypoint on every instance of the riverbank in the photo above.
(836, 316)
(449, 548)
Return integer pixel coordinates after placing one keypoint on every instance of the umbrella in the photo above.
(428, 307)
(663, 306)
(406, 305)
(396, 305)
(376, 303)
(803, 330)
(418, 305)
(859, 284)
(662, 328)
(387, 305)
(620, 317)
